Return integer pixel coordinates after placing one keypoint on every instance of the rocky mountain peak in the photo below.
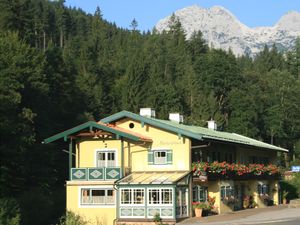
(223, 30)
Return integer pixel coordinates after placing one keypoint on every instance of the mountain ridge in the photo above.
(224, 30)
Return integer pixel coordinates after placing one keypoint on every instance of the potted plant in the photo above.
(199, 207)
(157, 219)
(230, 200)
(284, 196)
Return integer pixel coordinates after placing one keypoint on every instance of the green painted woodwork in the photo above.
(112, 173)
(195, 132)
(150, 157)
(122, 157)
(100, 173)
(79, 174)
(70, 157)
(90, 125)
(96, 173)
(169, 157)
(138, 212)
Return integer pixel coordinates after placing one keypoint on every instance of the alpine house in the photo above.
(130, 168)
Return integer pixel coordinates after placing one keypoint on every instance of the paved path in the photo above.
(271, 215)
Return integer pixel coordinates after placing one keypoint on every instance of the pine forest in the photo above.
(61, 66)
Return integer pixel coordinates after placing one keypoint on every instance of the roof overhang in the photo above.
(93, 127)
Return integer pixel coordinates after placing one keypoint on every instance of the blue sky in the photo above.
(147, 12)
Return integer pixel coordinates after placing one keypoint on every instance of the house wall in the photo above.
(138, 155)
(86, 151)
(94, 215)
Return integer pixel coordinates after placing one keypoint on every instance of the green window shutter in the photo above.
(169, 157)
(150, 157)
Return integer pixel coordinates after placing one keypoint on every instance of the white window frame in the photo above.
(264, 188)
(228, 191)
(106, 151)
(132, 196)
(91, 205)
(197, 189)
(160, 196)
(155, 159)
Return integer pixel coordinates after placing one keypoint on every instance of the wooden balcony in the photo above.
(97, 173)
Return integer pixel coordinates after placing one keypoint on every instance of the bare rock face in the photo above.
(222, 29)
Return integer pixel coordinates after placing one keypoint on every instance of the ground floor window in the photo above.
(146, 202)
(90, 196)
(132, 196)
(227, 192)
(200, 193)
(160, 196)
(263, 189)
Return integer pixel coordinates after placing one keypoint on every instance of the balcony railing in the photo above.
(97, 173)
(234, 170)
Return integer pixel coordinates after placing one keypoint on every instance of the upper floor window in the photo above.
(91, 196)
(216, 156)
(160, 157)
(106, 159)
(228, 157)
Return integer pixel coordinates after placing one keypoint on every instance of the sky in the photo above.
(252, 13)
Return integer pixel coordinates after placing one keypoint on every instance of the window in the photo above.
(97, 196)
(264, 160)
(200, 193)
(160, 196)
(106, 159)
(160, 157)
(263, 189)
(132, 196)
(216, 156)
(226, 192)
(253, 159)
(228, 157)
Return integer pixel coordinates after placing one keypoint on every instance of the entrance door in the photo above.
(181, 203)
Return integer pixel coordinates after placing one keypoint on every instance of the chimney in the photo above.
(211, 124)
(147, 112)
(176, 117)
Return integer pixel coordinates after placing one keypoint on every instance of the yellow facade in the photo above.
(137, 154)
(93, 215)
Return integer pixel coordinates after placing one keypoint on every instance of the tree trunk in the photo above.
(44, 40)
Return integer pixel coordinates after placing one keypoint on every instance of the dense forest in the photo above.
(60, 67)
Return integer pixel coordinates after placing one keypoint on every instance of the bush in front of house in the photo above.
(9, 211)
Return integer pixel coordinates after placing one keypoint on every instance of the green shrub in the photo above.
(72, 219)
(9, 212)
(291, 188)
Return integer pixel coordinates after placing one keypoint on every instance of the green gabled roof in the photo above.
(91, 125)
(153, 122)
(196, 132)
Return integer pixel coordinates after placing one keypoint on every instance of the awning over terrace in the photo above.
(153, 177)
